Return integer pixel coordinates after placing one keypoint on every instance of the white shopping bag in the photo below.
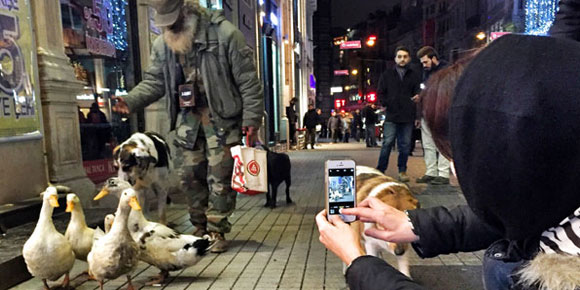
(250, 174)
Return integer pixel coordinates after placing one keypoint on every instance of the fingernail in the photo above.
(340, 210)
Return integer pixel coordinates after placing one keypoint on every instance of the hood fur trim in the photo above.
(551, 271)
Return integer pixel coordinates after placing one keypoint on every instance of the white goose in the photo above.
(77, 232)
(116, 253)
(47, 253)
(160, 245)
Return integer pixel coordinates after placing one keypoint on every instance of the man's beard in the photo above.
(180, 38)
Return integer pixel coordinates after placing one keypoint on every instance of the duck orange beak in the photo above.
(53, 199)
(134, 203)
(104, 192)
(70, 206)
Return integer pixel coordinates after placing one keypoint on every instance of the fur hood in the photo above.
(551, 272)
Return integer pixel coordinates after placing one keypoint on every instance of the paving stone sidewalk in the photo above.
(279, 249)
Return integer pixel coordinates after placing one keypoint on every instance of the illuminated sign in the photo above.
(353, 44)
(343, 72)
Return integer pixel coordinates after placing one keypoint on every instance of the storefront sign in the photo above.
(99, 170)
(99, 46)
(98, 19)
(342, 72)
(353, 44)
(18, 104)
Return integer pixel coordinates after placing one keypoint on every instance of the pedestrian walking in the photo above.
(370, 119)
(346, 124)
(292, 120)
(310, 121)
(319, 126)
(437, 166)
(208, 111)
(334, 125)
(398, 91)
(356, 125)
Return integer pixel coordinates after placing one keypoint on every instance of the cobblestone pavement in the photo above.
(279, 249)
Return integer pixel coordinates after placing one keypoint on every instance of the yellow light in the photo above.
(354, 72)
(370, 42)
(481, 35)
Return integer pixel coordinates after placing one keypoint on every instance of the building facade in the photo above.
(63, 62)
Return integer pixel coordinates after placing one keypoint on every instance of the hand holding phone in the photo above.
(340, 189)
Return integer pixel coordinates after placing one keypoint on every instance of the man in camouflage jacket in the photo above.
(202, 49)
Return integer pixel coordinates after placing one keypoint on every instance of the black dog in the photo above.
(279, 168)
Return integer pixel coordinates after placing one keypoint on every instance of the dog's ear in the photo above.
(116, 152)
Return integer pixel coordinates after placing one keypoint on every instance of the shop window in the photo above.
(97, 43)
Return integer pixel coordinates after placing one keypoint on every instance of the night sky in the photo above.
(349, 12)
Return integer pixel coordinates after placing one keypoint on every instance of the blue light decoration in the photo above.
(119, 35)
(540, 15)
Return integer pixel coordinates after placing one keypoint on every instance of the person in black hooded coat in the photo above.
(513, 135)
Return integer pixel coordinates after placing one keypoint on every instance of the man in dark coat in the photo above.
(398, 91)
(292, 119)
(437, 166)
(370, 119)
(310, 121)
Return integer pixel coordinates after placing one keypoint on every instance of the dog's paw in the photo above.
(289, 201)
(272, 205)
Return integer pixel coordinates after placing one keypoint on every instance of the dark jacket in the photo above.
(356, 120)
(441, 231)
(311, 119)
(395, 95)
(426, 74)
(370, 116)
(291, 114)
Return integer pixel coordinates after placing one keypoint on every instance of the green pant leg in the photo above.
(222, 198)
(191, 167)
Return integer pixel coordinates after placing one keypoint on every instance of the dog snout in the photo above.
(418, 204)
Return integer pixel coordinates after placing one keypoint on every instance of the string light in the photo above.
(540, 15)
(119, 35)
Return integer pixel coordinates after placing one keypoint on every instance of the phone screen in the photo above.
(340, 189)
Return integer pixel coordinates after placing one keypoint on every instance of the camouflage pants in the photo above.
(205, 172)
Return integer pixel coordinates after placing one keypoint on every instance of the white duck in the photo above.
(47, 253)
(116, 253)
(160, 245)
(109, 222)
(77, 232)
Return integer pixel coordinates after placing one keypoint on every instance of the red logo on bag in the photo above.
(253, 168)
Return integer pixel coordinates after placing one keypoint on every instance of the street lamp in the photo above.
(481, 35)
(371, 40)
(354, 72)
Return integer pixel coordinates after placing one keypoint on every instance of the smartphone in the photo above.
(340, 189)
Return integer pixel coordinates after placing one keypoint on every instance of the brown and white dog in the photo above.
(371, 182)
(144, 161)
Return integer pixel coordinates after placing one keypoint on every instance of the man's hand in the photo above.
(417, 124)
(251, 133)
(416, 98)
(395, 224)
(338, 237)
(120, 106)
